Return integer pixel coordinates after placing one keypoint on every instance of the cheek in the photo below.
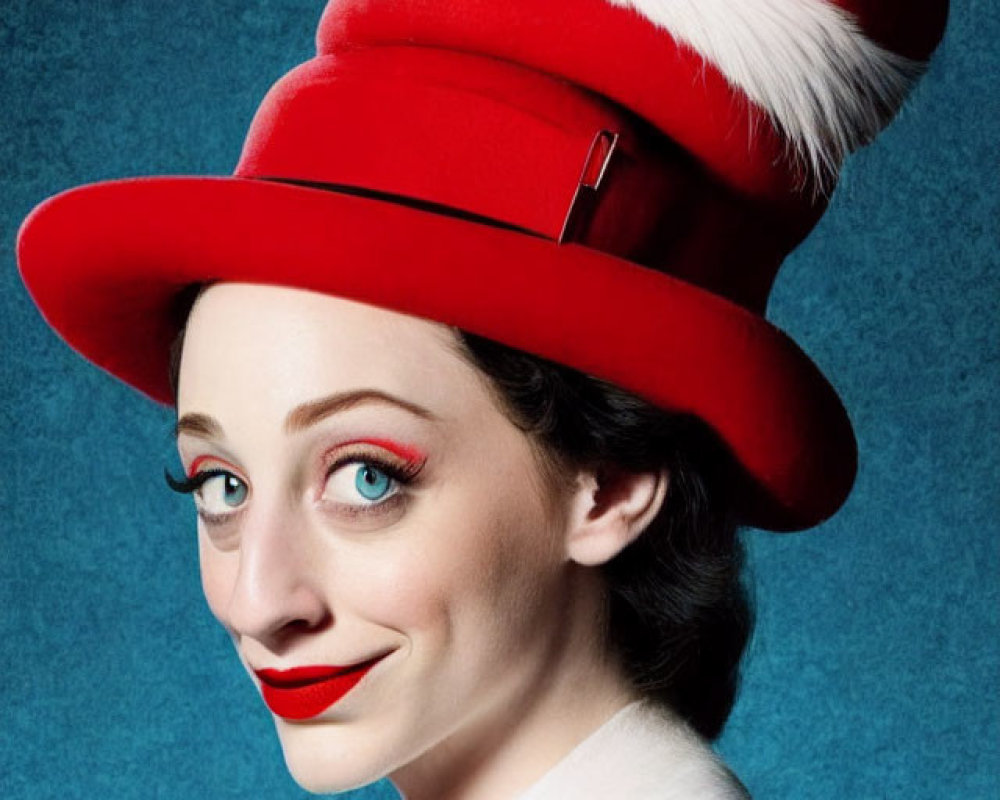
(472, 568)
(218, 575)
(401, 587)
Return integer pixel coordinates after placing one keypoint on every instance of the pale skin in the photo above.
(478, 578)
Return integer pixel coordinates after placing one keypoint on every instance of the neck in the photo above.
(506, 750)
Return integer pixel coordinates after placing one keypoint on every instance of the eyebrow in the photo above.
(305, 415)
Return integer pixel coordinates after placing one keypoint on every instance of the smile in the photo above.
(304, 692)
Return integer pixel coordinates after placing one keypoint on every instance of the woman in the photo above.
(444, 556)
(520, 566)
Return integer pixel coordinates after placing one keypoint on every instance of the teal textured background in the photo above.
(874, 668)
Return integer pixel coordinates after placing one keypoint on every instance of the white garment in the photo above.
(642, 753)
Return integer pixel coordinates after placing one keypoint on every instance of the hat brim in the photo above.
(105, 263)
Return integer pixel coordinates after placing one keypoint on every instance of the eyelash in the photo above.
(402, 474)
(194, 483)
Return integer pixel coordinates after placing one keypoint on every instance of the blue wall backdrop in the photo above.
(874, 669)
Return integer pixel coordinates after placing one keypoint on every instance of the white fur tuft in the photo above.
(825, 85)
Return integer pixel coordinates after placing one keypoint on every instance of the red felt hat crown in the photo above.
(613, 189)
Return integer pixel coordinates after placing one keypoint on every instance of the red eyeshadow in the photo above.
(198, 461)
(406, 452)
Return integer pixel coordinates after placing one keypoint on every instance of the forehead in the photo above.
(277, 347)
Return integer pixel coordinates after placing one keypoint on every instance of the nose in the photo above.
(277, 594)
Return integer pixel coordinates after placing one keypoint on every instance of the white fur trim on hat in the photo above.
(825, 85)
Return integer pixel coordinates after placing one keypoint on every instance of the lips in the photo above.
(304, 692)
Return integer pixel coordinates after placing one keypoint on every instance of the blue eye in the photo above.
(361, 484)
(216, 491)
(222, 492)
(371, 483)
(234, 491)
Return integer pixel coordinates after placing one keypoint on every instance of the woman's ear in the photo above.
(609, 508)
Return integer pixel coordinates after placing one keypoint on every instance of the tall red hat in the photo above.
(612, 186)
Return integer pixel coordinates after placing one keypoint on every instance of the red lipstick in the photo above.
(304, 692)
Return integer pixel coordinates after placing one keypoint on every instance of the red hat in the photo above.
(612, 188)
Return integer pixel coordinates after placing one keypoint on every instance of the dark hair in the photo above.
(676, 613)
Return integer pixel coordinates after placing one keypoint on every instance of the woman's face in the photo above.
(374, 510)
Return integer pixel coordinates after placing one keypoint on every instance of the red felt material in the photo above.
(615, 52)
(473, 123)
(911, 28)
(337, 119)
(512, 144)
(605, 48)
(104, 264)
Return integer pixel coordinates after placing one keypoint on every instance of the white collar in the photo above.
(642, 752)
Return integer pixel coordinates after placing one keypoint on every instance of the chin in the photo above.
(317, 779)
(324, 758)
